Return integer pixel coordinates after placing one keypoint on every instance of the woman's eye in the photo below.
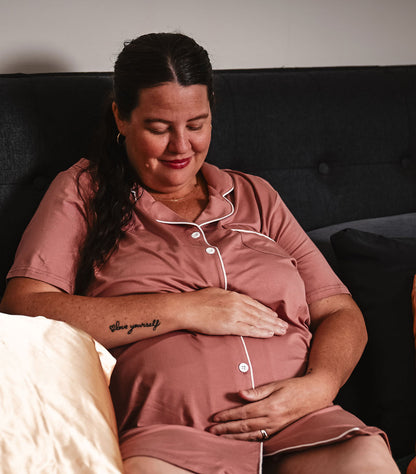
(195, 127)
(157, 131)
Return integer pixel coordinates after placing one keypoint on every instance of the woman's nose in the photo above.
(179, 143)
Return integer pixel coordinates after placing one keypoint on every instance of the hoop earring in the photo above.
(119, 139)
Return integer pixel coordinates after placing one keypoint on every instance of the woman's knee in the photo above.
(363, 454)
(372, 455)
(149, 465)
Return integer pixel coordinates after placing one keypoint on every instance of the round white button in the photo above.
(196, 235)
(243, 367)
(210, 250)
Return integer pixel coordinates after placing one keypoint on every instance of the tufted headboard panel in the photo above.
(339, 144)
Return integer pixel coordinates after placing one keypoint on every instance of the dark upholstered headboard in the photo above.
(338, 143)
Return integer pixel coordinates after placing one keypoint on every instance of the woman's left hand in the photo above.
(272, 407)
(339, 337)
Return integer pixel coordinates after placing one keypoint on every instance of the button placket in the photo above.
(198, 236)
(243, 367)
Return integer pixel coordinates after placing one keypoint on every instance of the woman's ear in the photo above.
(121, 124)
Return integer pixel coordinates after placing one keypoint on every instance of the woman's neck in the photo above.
(191, 204)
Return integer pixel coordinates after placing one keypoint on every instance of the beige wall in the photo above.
(85, 35)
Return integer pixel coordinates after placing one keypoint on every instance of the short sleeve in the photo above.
(50, 246)
(280, 224)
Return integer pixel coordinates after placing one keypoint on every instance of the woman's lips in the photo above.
(176, 164)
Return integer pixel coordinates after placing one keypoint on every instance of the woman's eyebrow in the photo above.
(151, 120)
(155, 119)
(199, 117)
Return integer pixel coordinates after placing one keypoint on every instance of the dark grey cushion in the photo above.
(402, 225)
(379, 273)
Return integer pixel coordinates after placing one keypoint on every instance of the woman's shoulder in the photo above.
(76, 177)
(252, 179)
(258, 186)
(240, 179)
(75, 171)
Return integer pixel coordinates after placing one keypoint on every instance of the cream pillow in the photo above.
(56, 414)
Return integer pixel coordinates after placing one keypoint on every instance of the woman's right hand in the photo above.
(215, 311)
(119, 320)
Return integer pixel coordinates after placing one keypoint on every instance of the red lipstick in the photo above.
(176, 164)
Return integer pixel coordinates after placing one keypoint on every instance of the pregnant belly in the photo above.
(184, 378)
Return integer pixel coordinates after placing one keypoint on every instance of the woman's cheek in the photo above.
(202, 143)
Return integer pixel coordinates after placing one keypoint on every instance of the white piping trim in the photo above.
(207, 222)
(229, 214)
(177, 222)
(198, 226)
(219, 256)
(223, 269)
(318, 443)
(253, 232)
(261, 458)
(249, 362)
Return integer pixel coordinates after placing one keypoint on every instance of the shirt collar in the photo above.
(219, 180)
(220, 184)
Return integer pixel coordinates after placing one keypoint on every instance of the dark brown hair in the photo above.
(144, 62)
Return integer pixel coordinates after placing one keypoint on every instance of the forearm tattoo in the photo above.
(129, 327)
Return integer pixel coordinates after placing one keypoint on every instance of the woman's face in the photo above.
(168, 136)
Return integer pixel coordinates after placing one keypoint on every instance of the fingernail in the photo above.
(282, 329)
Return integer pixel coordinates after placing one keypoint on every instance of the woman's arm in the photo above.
(339, 338)
(115, 321)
